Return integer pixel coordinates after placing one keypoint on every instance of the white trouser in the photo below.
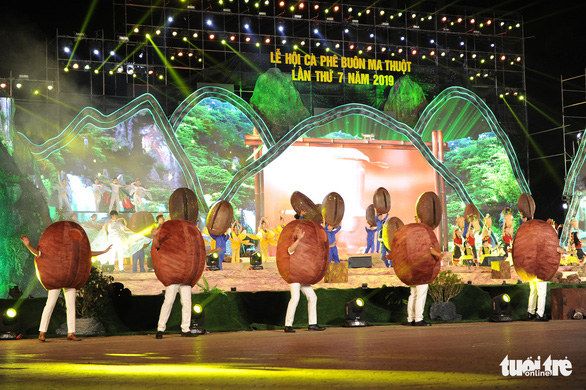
(138, 202)
(64, 201)
(537, 296)
(50, 305)
(311, 303)
(115, 202)
(97, 200)
(170, 293)
(416, 303)
(117, 251)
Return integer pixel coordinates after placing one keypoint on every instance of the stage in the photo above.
(239, 276)
(382, 357)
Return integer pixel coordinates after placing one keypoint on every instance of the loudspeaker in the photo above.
(360, 262)
(488, 259)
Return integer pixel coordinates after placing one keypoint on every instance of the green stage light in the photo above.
(355, 313)
(11, 313)
(213, 262)
(256, 261)
(197, 320)
(501, 309)
(10, 325)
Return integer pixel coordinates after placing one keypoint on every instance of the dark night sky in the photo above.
(554, 46)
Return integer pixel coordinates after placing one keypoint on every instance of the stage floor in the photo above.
(440, 356)
(239, 276)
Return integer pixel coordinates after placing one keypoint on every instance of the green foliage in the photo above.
(205, 287)
(212, 136)
(92, 298)
(484, 167)
(445, 286)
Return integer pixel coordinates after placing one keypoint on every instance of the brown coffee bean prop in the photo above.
(381, 200)
(526, 205)
(220, 218)
(412, 260)
(471, 213)
(333, 209)
(181, 256)
(389, 229)
(141, 222)
(65, 260)
(429, 209)
(301, 203)
(309, 262)
(371, 215)
(535, 253)
(183, 205)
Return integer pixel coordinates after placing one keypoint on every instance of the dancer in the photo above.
(64, 193)
(458, 246)
(98, 191)
(221, 241)
(114, 230)
(138, 193)
(370, 232)
(171, 292)
(417, 298)
(237, 239)
(331, 232)
(575, 239)
(471, 238)
(507, 238)
(380, 221)
(265, 237)
(53, 295)
(296, 288)
(115, 197)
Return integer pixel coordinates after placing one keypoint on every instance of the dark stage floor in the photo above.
(441, 356)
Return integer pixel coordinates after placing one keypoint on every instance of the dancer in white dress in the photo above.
(138, 192)
(63, 193)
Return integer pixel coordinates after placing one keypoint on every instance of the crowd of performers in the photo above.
(473, 243)
(107, 193)
(120, 242)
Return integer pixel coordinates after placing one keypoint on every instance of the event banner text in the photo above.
(336, 69)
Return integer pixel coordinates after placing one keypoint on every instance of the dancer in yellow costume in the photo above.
(237, 238)
(266, 238)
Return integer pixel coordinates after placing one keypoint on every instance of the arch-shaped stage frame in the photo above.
(91, 116)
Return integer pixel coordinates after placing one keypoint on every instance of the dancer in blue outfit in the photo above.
(370, 232)
(221, 241)
(380, 221)
(331, 233)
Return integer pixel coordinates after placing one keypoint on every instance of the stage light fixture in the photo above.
(302, 43)
(351, 47)
(232, 37)
(223, 41)
(256, 261)
(368, 48)
(336, 8)
(209, 22)
(284, 41)
(87, 67)
(195, 35)
(444, 19)
(501, 309)
(2, 85)
(383, 49)
(257, 44)
(212, 36)
(281, 4)
(281, 28)
(316, 7)
(75, 66)
(213, 262)
(10, 325)
(268, 40)
(67, 50)
(488, 22)
(459, 20)
(197, 320)
(174, 33)
(414, 52)
(413, 16)
(337, 46)
(247, 39)
(318, 44)
(355, 313)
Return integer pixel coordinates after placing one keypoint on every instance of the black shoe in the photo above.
(411, 323)
(531, 316)
(188, 334)
(315, 327)
(289, 329)
(159, 335)
(540, 318)
(421, 323)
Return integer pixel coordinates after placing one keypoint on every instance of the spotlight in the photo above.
(213, 262)
(197, 320)
(355, 313)
(256, 261)
(10, 325)
(501, 309)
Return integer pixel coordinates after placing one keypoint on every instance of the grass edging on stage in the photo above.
(265, 310)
